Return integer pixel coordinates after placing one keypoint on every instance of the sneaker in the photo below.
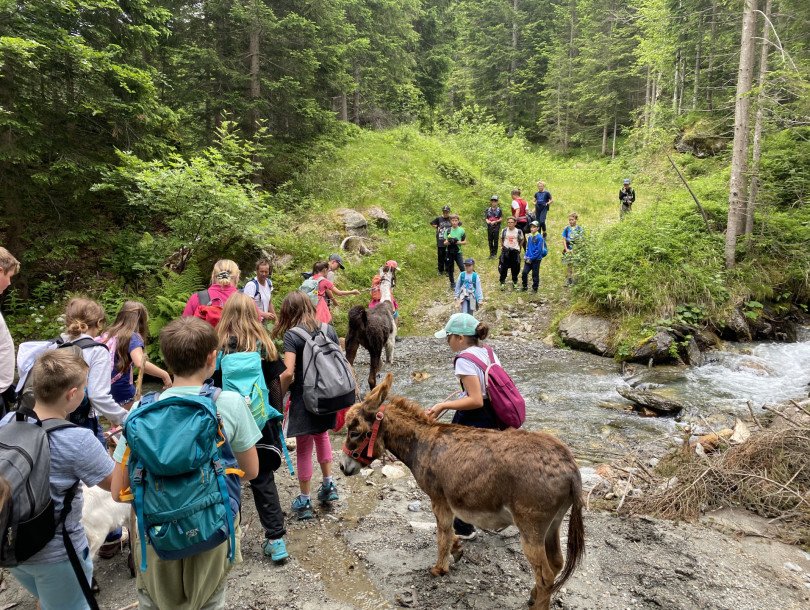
(503, 287)
(524, 288)
(471, 536)
(514, 286)
(302, 508)
(491, 256)
(328, 493)
(533, 292)
(569, 282)
(109, 549)
(277, 550)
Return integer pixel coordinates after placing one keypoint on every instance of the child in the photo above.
(463, 333)
(189, 348)
(8, 267)
(240, 331)
(535, 244)
(468, 289)
(454, 238)
(511, 241)
(260, 289)
(520, 210)
(571, 235)
(307, 428)
(224, 280)
(84, 318)
(125, 340)
(542, 201)
(493, 216)
(628, 197)
(326, 289)
(75, 456)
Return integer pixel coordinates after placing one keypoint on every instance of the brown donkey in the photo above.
(485, 477)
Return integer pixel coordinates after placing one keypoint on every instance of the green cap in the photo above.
(458, 324)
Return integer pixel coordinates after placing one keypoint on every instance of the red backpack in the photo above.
(376, 293)
(509, 406)
(206, 310)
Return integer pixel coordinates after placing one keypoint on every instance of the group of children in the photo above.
(517, 244)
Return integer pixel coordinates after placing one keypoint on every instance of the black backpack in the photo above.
(25, 397)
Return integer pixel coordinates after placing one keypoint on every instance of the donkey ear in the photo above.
(377, 396)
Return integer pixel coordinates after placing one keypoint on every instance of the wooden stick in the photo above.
(624, 495)
(130, 607)
(719, 438)
(691, 192)
(751, 410)
(799, 407)
(780, 414)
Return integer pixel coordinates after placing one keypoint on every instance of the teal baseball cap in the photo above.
(458, 324)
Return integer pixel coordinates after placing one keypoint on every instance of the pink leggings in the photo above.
(303, 453)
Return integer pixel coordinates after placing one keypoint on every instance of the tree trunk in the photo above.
(604, 139)
(356, 109)
(710, 67)
(647, 113)
(571, 54)
(255, 95)
(344, 108)
(757, 154)
(697, 60)
(512, 69)
(676, 81)
(613, 152)
(739, 161)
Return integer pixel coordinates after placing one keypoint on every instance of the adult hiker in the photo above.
(493, 217)
(260, 289)
(542, 201)
(442, 225)
(627, 196)
(520, 210)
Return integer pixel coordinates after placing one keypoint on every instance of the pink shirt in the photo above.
(219, 294)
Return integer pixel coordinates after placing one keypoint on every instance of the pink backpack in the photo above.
(509, 406)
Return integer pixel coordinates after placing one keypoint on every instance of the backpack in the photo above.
(462, 278)
(376, 293)
(26, 357)
(508, 404)
(184, 479)
(310, 288)
(242, 373)
(327, 378)
(28, 521)
(206, 310)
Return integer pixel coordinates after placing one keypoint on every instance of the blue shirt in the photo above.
(122, 389)
(534, 247)
(542, 198)
(571, 235)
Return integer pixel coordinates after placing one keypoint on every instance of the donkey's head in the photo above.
(363, 423)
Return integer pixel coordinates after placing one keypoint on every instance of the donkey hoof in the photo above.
(437, 571)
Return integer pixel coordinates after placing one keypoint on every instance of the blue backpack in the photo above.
(185, 481)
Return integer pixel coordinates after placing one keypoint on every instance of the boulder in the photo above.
(651, 400)
(706, 339)
(589, 333)
(656, 348)
(354, 223)
(379, 216)
(701, 140)
(690, 353)
(355, 243)
(736, 327)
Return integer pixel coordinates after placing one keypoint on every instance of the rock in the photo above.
(364, 472)
(393, 472)
(741, 432)
(378, 215)
(619, 406)
(550, 340)
(415, 506)
(699, 450)
(355, 243)
(792, 567)
(668, 484)
(590, 480)
(690, 353)
(424, 526)
(701, 140)
(711, 442)
(656, 348)
(353, 221)
(605, 471)
(654, 401)
(760, 368)
(736, 327)
(706, 339)
(589, 333)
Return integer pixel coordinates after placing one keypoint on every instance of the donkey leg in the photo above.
(553, 549)
(374, 367)
(533, 542)
(447, 540)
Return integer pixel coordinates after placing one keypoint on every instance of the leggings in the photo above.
(303, 453)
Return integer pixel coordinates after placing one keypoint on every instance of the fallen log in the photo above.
(651, 400)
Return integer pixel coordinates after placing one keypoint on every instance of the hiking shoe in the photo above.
(277, 550)
(533, 292)
(514, 286)
(109, 549)
(503, 287)
(328, 493)
(471, 536)
(569, 281)
(523, 288)
(302, 508)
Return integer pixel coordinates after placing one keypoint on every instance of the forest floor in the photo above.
(368, 550)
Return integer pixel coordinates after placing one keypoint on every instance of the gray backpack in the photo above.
(28, 521)
(327, 378)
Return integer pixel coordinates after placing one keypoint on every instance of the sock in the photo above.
(327, 481)
(305, 497)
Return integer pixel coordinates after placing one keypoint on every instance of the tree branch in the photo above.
(691, 192)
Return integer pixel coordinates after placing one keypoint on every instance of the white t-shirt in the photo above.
(510, 239)
(264, 294)
(6, 356)
(465, 367)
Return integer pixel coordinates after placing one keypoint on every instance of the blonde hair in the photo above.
(83, 314)
(516, 191)
(55, 372)
(132, 318)
(240, 319)
(8, 263)
(225, 273)
(573, 215)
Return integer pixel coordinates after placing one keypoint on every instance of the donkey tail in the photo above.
(575, 548)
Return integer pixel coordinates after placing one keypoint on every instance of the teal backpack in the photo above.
(184, 479)
(310, 288)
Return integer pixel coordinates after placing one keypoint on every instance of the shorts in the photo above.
(55, 584)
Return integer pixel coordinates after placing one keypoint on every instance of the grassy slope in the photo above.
(397, 171)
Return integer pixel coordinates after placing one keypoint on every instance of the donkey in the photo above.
(486, 477)
(374, 328)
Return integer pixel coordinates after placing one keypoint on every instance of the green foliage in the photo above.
(452, 171)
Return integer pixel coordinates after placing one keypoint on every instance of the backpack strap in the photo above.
(71, 551)
(480, 364)
(81, 343)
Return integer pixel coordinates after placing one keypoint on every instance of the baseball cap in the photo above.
(458, 324)
(627, 181)
(494, 198)
(469, 261)
(446, 208)
(535, 223)
(337, 259)
(392, 264)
